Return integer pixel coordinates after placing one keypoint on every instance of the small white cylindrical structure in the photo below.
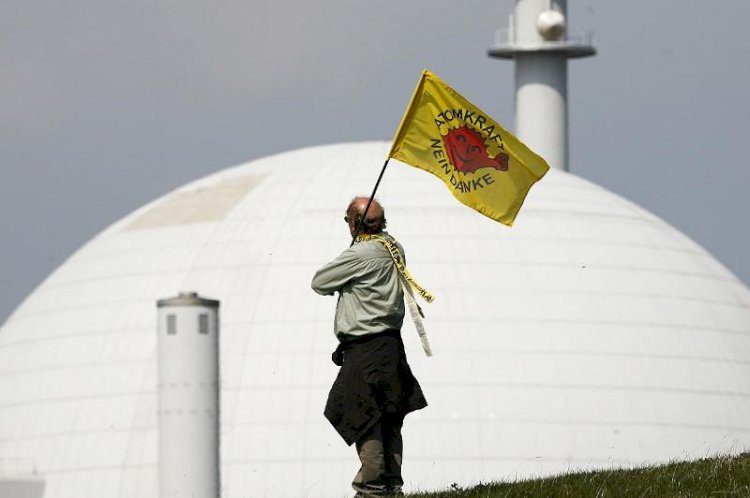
(188, 389)
(539, 43)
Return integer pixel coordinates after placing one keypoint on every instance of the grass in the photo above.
(726, 476)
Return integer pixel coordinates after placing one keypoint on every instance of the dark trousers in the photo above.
(380, 451)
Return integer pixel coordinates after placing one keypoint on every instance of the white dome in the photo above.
(590, 334)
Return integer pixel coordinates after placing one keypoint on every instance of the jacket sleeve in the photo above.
(336, 274)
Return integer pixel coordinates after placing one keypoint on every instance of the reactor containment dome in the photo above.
(591, 334)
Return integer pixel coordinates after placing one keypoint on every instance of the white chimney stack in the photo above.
(188, 388)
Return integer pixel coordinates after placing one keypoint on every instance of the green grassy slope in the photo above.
(711, 477)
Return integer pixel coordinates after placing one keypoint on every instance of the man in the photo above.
(375, 387)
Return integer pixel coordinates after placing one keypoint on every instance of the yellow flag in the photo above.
(483, 165)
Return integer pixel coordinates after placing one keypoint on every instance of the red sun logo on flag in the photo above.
(467, 151)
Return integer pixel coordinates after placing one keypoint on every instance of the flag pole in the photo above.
(396, 140)
(372, 196)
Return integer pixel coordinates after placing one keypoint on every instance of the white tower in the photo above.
(537, 39)
(188, 389)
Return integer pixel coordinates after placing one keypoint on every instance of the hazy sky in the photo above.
(107, 104)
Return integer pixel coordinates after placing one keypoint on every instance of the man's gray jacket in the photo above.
(371, 298)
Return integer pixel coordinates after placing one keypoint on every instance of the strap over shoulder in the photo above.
(409, 285)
